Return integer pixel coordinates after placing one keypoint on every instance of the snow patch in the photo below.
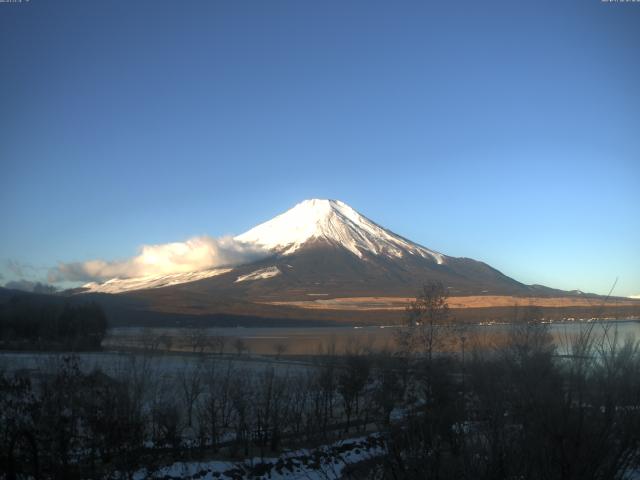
(119, 285)
(260, 274)
(322, 463)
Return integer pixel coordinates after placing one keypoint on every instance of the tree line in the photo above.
(30, 322)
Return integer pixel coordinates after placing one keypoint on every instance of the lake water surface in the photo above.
(312, 340)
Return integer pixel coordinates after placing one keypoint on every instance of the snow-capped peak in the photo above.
(335, 221)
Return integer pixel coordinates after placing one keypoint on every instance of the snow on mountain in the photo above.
(119, 285)
(334, 221)
(329, 220)
(260, 274)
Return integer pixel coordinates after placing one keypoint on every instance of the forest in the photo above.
(45, 322)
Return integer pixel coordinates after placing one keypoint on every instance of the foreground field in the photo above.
(414, 412)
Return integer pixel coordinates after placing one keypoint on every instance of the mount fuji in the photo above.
(322, 260)
(327, 245)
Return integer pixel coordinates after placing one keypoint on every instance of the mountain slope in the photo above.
(335, 222)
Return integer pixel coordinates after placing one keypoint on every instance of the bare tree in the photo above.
(263, 406)
(218, 343)
(215, 411)
(166, 342)
(191, 388)
(426, 316)
(280, 349)
(150, 341)
(241, 399)
(351, 383)
(299, 403)
(198, 340)
(240, 346)
(389, 388)
(167, 424)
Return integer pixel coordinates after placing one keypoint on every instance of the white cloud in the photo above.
(635, 296)
(198, 253)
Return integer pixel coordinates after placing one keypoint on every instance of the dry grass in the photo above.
(475, 301)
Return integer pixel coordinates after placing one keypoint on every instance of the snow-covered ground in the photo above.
(322, 463)
(633, 475)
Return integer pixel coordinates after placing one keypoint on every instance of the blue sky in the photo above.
(504, 131)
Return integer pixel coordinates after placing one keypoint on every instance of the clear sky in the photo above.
(504, 131)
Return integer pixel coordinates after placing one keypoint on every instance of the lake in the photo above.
(314, 340)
